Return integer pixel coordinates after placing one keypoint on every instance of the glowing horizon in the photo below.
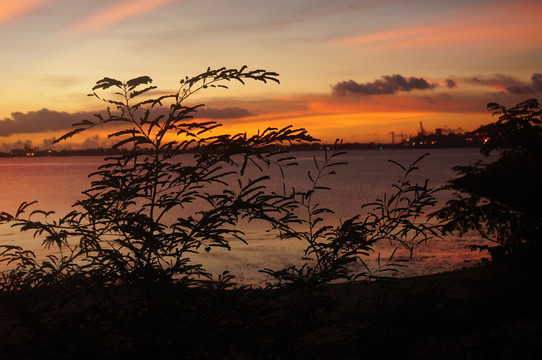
(348, 69)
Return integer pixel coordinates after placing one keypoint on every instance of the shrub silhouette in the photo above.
(122, 280)
(501, 200)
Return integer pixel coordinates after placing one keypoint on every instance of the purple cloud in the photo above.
(510, 84)
(450, 83)
(50, 120)
(389, 84)
(536, 80)
(41, 120)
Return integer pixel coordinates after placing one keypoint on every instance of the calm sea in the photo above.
(56, 183)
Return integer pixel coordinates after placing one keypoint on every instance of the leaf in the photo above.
(139, 92)
(68, 135)
(84, 122)
(114, 102)
(135, 139)
(124, 132)
(398, 164)
(133, 83)
(106, 83)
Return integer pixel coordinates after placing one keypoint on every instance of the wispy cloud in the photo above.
(509, 84)
(450, 83)
(117, 12)
(506, 25)
(445, 36)
(10, 10)
(222, 113)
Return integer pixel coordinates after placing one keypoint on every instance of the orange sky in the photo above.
(348, 69)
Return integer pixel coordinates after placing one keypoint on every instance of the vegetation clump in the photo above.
(501, 199)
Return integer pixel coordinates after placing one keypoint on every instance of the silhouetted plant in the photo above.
(332, 253)
(124, 225)
(150, 208)
(123, 266)
(501, 200)
(337, 253)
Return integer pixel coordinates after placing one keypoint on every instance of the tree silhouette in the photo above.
(501, 200)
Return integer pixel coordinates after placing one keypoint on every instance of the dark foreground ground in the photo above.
(486, 312)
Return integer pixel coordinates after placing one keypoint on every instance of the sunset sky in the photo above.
(355, 70)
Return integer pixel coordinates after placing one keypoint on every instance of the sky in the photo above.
(352, 70)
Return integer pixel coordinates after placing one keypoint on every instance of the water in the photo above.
(56, 183)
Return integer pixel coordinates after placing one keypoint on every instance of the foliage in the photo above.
(132, 224)
(501, 200)
(333, 252)
(122, 265)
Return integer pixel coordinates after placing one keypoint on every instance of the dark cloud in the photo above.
(38, 121)
(222, 113)
(19, 144)
(389, 84)
(510, 84)
(48, 143)
(429, 99)
(49, 120)
(536, 79)
(520, 89)
(450, 83)
(497, 80)
(92, 143)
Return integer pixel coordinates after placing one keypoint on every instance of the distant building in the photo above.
(441, 139)
(27, 151)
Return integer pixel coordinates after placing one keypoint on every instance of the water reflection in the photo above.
(57, 183)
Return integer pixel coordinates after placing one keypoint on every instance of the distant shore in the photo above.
(34, 152)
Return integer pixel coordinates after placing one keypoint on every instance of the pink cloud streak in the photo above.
(10, 10)
(442, 36)
(118, 12)
(507, 26)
